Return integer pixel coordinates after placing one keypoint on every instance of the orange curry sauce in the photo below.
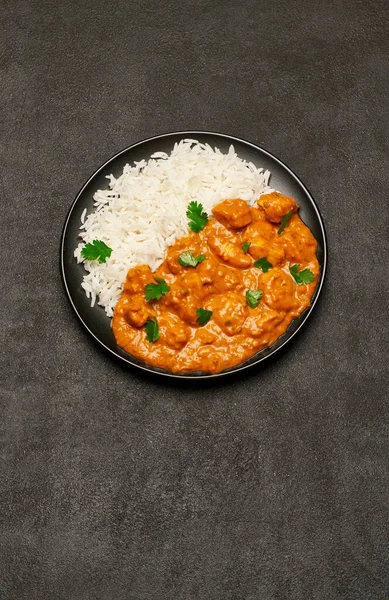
(219, 284)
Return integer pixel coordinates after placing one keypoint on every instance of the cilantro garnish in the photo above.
(186, 259)
(197, 217)
(152, 331)
(155, 291)
(203, 316)
(264, 264)
(246, 246)
(253, 297)
(284, 221)
(305, 276)
(96, 250)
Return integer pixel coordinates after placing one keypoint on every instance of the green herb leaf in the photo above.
(246, 246)
(155, 291)
(305, 276)
(284, 221)
(264, 264)
(203, 316)
(186, 259)
(152, 331)
(197, 217)
(253, 297)
(96, 250)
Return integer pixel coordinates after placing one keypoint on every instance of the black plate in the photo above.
(282, 179)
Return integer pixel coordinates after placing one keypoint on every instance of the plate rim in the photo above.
(238, 368)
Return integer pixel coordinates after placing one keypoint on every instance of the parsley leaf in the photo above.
(96, 250)
(305, 276)
(284, 221)
(264, 264)
(152, 331)
(155, 291)
(203, 316)
(253, 297)
(246, 246)
(197, 217)
(186, 259)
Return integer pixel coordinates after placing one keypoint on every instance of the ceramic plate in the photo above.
(95, 320)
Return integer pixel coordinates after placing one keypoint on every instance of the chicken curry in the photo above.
(228, 289)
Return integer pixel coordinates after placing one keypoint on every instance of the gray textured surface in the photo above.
(273, 487)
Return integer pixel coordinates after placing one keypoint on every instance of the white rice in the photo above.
(144, 211)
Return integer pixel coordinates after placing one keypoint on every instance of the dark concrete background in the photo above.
(271, 487)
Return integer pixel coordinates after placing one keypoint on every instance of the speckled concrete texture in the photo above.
(271, 487)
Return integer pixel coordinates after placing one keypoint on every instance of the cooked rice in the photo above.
(144, 211)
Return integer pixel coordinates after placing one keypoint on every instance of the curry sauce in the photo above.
(231, 245)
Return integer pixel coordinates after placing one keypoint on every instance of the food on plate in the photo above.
(226, 290)
(199, 262)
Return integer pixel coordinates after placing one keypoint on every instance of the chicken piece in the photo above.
(276, 206)
(137, 278)
(189, 243)
(279, 290)
(172, 256)
(261, 228)
(227, 246)
(276, 255)
(263, 322)
(259, 247)
(137, 312)
(227, 279)
(182, 301)
(173, 331)
(187, 310)
(207, 270)
(232, 213)
(298, 242)
(202, 282)
(229, 311)
(251, 280)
